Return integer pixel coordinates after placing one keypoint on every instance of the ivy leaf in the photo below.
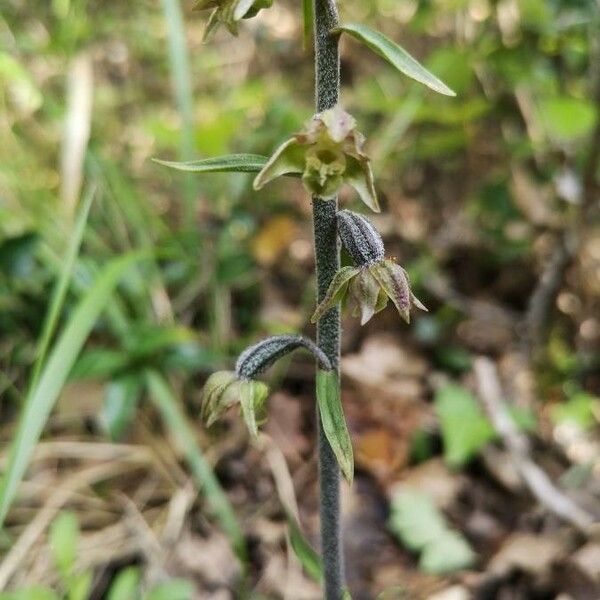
(334, 423)
(395, 55)
(231, 163)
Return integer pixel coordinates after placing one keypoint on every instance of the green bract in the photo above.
(230, 12)
(327, 153)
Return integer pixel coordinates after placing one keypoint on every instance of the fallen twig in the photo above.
(547, 494)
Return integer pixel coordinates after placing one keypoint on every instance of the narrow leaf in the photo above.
(308, 557)
(62, 284)
(395, 55)
(41, 398)
(334, 423)
(231, 163)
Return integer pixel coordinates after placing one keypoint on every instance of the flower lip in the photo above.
(360, 238)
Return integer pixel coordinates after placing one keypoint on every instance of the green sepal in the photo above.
(252, 398)
(217, 396)
(336, 291)
(287, 159)
(360, 176)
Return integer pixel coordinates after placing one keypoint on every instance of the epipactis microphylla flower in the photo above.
(374, 280)
(328, 152)
(225, 389)
(230, 12)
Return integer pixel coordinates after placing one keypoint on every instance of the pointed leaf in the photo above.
(231, 163)
(336, 291)
(395, 55)
(333, 421)
(252, 397)
(287, 159)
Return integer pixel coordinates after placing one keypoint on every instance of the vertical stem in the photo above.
(327, 259)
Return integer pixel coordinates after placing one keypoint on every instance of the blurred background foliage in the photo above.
(490, 200)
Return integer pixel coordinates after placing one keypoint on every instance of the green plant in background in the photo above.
(422, 528)
(76, 584)
(327, 153)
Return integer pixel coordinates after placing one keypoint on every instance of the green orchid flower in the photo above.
(229, 12)
(328, 152)
(373, 280)
(225, 389)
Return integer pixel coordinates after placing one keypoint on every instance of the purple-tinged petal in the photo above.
(394, 282)
(364, 289)
(338, 123)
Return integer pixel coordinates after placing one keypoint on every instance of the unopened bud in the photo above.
(360, 238)
(255, 359)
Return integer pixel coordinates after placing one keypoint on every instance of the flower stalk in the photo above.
(327, 260)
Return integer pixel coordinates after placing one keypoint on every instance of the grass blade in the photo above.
(42, 396)
(396, 56)
(62, 285)
(181, 432)
(181, 81)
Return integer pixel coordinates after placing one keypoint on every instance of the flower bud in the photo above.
(255, 359)
(360, 238)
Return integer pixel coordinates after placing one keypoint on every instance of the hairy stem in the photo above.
(327, 259)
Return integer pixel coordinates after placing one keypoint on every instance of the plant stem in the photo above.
(327, 260)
